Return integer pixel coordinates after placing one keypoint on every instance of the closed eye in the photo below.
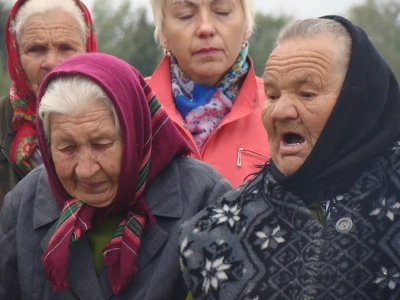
(223, 13)
(102, 146)
(185, 17)
(67, 149)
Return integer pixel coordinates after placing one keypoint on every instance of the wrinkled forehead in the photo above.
(311, 56)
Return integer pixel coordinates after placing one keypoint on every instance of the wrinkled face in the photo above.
(302, 85)
(205, 36)
(45, 41)
(87, 154)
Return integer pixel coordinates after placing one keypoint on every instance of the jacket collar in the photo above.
(45, 207)
(164, 199)
(164, 194)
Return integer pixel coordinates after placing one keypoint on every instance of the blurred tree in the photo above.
(381, 20)
(263, 38)
(126, 34)
(4, 79)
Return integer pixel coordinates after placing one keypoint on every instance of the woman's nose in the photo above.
(205, 26)
(86, 166)
(51, 60)
(284, 109)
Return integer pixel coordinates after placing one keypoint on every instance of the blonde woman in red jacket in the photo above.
(207, 84)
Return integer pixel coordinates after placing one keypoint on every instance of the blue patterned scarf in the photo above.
(203, 107)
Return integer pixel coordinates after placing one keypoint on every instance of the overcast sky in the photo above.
(298, 8)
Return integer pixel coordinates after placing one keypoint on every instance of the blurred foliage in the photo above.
(4, 79)
(381, 20)
(128, 33)
(263, 39)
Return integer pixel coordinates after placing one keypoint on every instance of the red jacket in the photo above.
(240, 142)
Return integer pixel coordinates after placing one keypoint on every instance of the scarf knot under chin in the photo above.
(203, 107)
(120, 255)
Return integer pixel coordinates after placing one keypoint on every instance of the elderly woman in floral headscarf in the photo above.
(39, 35)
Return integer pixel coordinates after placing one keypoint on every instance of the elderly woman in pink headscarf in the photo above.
(102, 216)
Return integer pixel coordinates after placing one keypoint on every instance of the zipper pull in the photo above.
(239, 157)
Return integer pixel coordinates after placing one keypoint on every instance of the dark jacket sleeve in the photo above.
(9, 172)
(9, 282)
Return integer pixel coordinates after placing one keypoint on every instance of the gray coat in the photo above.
(28, 219)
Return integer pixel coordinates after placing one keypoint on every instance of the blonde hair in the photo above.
(37, 7)
(158, 10)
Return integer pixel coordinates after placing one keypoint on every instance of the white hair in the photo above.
(158, 9)
(70, 96)
(313, 27)
(39, 7)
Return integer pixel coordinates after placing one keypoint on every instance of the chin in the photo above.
(289, 171)
(289, 166)
(99, 204)
(210, 77)
(211, 71)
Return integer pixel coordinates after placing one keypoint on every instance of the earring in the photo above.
(245, 44)
(168, 53)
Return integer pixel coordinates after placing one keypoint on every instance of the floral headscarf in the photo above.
(22, 97)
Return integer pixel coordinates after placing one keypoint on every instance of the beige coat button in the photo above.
(344, 225)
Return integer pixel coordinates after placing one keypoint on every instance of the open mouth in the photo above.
(293, 139)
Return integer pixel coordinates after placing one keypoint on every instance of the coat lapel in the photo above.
(151, 243)
(164, 198)
(81, 276)
(45, 207)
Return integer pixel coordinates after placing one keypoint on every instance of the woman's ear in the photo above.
(247, 35)
(163, 40)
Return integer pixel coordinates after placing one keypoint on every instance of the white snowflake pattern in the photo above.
(387, 278)
(227, 214)
(185, 251)
(386, 207)
(396, 146)
(269, 237)
(214, 273)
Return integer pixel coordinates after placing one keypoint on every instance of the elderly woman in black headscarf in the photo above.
(321, 220)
